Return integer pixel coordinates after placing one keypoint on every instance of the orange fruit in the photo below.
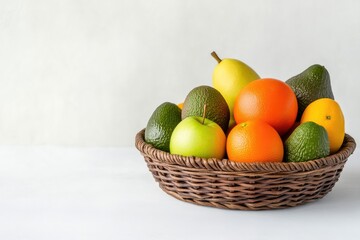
(269, 100)
(254, 141)
(180, 105)
(327, 113)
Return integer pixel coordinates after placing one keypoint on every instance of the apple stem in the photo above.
(204, 113)
(216, 57)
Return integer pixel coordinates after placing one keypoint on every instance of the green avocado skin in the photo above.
(217, 110)
(161, 125)
(307, 142)
(311, 84)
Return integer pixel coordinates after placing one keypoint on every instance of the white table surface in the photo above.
(69, 193)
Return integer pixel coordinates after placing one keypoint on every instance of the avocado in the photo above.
(307, 142)
(161, 125)
(217, 110)
(311, 84)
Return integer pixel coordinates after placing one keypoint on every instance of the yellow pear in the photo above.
(229, 77)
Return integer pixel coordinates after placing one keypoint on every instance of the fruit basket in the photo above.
(244, 186)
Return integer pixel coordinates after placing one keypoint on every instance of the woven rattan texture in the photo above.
(244, 186)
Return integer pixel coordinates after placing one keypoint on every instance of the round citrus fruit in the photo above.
(327, 113)
(180, 105)
(269, 100)
(254, 141)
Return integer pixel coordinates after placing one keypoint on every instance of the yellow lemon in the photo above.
(327, 113)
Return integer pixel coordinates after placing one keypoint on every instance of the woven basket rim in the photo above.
(225, 165)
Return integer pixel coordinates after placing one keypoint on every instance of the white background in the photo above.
(87, 74)
(90, 73)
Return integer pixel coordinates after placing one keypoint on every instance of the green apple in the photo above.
(199, 137)
(229, 77)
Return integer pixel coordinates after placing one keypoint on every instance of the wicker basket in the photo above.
(244, 186)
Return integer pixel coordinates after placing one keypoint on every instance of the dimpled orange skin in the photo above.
(269, 100)
(254, 141)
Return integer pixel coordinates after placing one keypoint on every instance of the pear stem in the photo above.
(204, 114)
(216, 57)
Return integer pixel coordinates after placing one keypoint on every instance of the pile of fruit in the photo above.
(246, 118)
